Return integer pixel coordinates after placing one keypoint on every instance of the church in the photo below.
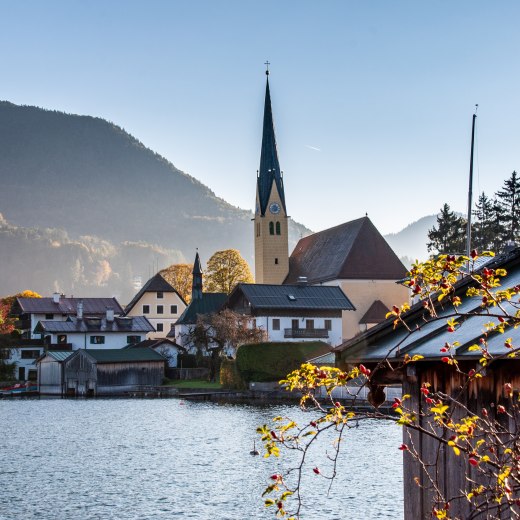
(353, 255)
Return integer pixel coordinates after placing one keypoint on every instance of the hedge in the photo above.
(273, 361)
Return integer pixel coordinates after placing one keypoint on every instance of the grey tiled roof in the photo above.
(120, 324)
(91, 306)
(289, 297)
(354, 250)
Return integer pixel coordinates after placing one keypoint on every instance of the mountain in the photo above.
(92, 183)
(410, 242)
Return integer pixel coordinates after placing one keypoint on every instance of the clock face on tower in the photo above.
(274, 208)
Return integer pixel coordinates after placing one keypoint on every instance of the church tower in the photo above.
(271, 220)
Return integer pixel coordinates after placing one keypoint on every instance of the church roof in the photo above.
(210, 303)
(354, 250)
(269, 164)
(155, 284)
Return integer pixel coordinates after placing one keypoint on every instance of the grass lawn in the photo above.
(195, 383)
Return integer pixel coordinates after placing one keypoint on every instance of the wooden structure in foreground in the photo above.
(383, 349)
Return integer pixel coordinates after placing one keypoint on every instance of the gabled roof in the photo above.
(119, 324)
(376, 313)
(210, 303)
(58, 355)
(383, 342)
(354, 250)
(121, 355)
(269, 165)
(155, 284)
(91, 306)
(291, 297)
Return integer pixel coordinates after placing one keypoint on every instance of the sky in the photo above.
(372, 101)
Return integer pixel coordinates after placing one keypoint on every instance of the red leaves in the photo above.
(276, 476)
(445, 359)
(316, 470)
(473, 254)
(417, 289)
(397, 403)
(403, 447)
(424, 390)
(273, 434)
(471, 373)
(473, 461)
(501, 409)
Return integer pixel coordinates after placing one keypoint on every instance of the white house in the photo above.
(160, 303)
(167, 348)
(109, 332)
(299, 312)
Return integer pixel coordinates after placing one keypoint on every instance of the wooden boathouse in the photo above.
(96, 372)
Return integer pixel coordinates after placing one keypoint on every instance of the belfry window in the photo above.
(278, 231)
(271, 228)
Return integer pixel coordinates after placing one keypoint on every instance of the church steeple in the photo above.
(271, 220)
(269, 172)
(196, 286)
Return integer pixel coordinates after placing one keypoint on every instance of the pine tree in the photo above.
(450, 233)
(482, 231)
(509, 200)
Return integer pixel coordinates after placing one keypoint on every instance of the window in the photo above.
(276, 261)
(309, 324)
(133, 339)
(173, 309)
(30, 354)
(276, 324)
(146, 309)
(294, 324)
(271, 228)
(62, 338)
(328, 324)
(278, 231)
(160, 309)
(97, 340)
(49, 316)
(160, 327)
(160, 295)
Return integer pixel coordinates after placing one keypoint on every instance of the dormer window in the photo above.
(160, 295)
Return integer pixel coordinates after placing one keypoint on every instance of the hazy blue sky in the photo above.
(372, 99)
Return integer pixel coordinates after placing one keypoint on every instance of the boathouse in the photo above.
(385, 351)
(99, 372)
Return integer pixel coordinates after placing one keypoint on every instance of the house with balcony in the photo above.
(298, 312)
(160, 303)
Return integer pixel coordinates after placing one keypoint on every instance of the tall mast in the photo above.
(470, 190)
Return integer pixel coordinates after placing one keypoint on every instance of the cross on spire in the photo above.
(267, 68)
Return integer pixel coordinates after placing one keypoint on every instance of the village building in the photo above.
(108, 332)
(299, 312)
(160, 303)
(166, 347)
(354, 255)
(385, 346)
(201, 304)
(29, 311)
(99, 372)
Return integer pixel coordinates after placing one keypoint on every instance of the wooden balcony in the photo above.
(306, 333)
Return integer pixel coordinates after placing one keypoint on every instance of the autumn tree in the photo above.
(219, 334)
(180, 277)
(449, 235)
(225, 269)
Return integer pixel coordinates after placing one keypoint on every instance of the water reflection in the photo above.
(153, 459)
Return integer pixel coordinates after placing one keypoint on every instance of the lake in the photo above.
(166, 458)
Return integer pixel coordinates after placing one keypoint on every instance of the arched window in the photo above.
(278, 232)
(271, 228)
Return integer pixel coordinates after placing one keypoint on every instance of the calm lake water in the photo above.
(129, 459)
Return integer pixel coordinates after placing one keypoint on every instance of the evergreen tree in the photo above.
(482, 231)
(450, 233)
(509, 200)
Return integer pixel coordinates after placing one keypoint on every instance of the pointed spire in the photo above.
(196, 286)
(269, 164)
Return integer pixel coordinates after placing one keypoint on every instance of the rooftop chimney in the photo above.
(56, 297)
(110, 314)
(79, 310)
